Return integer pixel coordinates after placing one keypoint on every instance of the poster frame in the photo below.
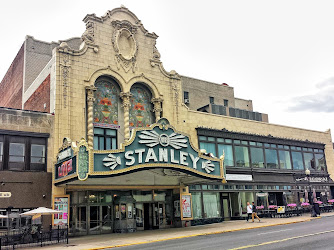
(68, 206)
(191, 206)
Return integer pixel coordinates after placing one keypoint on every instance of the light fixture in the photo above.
(307, 172)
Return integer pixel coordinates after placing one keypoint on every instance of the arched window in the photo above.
(106, 114)
(141, 110)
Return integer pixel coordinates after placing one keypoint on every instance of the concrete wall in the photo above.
(200, 92)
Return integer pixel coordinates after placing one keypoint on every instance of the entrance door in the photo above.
(226, 206)
(94, 224)
(107, 223)
(147, 216)
(81, 226)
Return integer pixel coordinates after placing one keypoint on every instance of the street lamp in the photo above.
(308, 173)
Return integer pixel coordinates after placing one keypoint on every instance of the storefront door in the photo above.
(226, 206)
(153, 215)
(94, 223)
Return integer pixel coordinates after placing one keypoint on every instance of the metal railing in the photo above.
(30, 236)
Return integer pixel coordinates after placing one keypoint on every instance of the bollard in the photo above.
(58, 234)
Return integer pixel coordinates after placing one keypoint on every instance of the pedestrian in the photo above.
(254, 212)
(249, 210)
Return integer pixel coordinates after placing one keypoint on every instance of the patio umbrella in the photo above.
(40, 211)
(3, 216)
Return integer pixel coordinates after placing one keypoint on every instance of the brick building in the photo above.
(123, 167)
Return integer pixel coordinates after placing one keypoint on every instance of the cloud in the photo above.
(321, 101)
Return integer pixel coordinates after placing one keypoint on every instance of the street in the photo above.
(315, 234)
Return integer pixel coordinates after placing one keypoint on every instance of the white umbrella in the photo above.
(3, 216)
(40, 211)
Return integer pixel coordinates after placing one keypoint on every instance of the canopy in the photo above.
(3, 216)
(41, 211)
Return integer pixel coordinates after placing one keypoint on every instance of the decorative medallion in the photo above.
(125, 45)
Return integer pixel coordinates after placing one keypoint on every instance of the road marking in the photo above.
(286, 239)
(275, 231)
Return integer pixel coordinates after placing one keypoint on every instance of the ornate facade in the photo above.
(109, 92)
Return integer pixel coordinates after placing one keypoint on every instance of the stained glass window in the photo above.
(141, 110)
(106, 103)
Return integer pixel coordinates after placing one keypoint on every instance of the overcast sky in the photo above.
(280, 54)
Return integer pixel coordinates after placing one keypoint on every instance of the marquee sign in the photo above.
(157, 146)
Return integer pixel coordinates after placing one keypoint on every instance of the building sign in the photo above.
(61, 203)
(65, 168)
(312, 179)
(186, 207)
(281, 209)
(157, 146)
(5, 194)
(65, 154)
(239, 177)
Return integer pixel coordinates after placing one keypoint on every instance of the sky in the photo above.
(278, 53)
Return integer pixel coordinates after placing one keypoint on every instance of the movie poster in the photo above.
(61, 204)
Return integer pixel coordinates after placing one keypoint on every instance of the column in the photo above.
(90, 127)
(157, 109)
(126, 106)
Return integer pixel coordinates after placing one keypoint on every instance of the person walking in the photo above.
(254, 212)
(249, 210)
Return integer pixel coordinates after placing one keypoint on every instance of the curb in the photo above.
(200, 234)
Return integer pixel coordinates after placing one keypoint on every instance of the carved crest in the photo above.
(125, 45)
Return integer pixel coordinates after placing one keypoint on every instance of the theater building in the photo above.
(128, 136)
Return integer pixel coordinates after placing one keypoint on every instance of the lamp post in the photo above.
(308, 173)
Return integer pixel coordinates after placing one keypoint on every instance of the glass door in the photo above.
(140, 216)
(226, 206)
(81, 225)
(107, 223)
(94, 223)
(155, 207)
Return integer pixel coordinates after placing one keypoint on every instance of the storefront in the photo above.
(142, 186)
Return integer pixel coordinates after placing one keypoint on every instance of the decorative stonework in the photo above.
(66, 143)
(125, 45)
(65, 74)
(88, 35)
(126, 106)
(156, 54)
(90, 128)
(157, 102)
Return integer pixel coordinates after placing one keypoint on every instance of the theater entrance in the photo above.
(150, 215)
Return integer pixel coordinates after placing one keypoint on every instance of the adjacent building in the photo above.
(128, 137)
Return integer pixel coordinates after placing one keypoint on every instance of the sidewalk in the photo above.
(117, 240)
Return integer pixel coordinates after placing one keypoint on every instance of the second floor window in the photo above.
(105, 138)
(186, 97)
(212, 100)
(225, 103)
(22, 153)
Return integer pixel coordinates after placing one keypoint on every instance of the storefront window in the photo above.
(142, 196)
(320, 162)
(284, 159)
(290, 198)
(197, 205)
(262, 199)
(309, 161)
(227, 149)
(244, 198)
(209, 147)
(297, 160)
(241, 156)
(271, 158)
(257, 157)
(211, 205)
